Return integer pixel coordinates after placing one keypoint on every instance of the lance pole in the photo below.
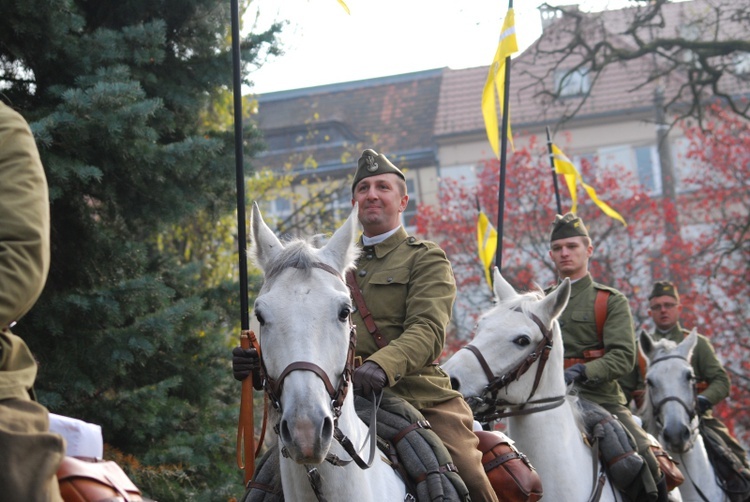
(554, 174)
(503, 157)
(246, 427)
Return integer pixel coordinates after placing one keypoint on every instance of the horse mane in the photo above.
(522, 300)
(297, 253)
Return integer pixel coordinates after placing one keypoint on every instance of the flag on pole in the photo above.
(346, 7)
(486, 243)
(496, 82)
(564, 166)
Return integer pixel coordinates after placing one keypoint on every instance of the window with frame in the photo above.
(571, 83)
(279, 208)
(742, 63)
(465, 174)
(410, 213)
(648, 168)
(341, 203)
(685, 168)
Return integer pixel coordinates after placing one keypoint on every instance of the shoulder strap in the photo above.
(351, 281)
(600, 313)
(641, 363)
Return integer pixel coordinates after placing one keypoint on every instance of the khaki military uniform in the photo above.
(708, 370)
(578, 326)
(408, 286)
(29, 454)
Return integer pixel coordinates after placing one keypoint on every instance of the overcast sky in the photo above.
(323, 44)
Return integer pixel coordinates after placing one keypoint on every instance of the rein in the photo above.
(274, 388)
(488, 398)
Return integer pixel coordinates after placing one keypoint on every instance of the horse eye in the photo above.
(344, 313)
(259, 318)
(649, 382)
(522, 341)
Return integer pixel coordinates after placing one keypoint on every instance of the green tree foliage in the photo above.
(131, 330)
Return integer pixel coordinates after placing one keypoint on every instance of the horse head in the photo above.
(512, 343)
(306, 335)
(669, 407)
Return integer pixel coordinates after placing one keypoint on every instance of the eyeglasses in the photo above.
(662, 306)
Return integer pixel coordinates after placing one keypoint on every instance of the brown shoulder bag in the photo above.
(91, 480)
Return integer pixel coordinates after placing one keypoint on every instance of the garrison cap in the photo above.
(372, 163)
(568, 225)
(664, 288)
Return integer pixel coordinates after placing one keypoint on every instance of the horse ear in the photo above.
(555, 302)
(687, 345)
(264, 244)
(647, 345)
(503, 289)
(341, 249)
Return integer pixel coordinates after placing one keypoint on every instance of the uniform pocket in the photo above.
(388, 277)
(582, 316)
(387, 295)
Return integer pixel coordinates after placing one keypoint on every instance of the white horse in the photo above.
(307, 346)
(516, 361)
(669, 414)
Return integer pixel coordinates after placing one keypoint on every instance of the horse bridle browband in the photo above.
(274, 388)
(488, 397)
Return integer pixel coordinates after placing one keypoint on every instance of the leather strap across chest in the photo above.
(372, 328)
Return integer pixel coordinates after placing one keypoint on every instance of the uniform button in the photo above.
(412, 240)
(362, 273)
(390, 279)
(369, 257)
(397, 376)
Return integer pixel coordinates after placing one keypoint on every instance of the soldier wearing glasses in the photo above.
(712, 379)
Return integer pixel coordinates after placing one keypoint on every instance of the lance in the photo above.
(503, 157)
(554, 174)
(246, 427)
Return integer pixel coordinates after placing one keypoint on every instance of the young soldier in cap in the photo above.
(712, 380)
(408, 288)
(29, 453)
(594, 364)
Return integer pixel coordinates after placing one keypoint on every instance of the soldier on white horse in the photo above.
(597, 355)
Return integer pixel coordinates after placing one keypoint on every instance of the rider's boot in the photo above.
(663, 491)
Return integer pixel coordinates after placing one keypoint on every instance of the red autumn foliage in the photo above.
(707, 256)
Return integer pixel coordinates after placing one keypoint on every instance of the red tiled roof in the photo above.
(618, 90)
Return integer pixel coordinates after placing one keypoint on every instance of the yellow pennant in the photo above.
(486, 244)
(346, 8)
(564, 166)
(495, 83)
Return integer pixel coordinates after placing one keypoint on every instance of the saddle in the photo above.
(616, 446)
(734, 477)
(404, 437)
(422, 460)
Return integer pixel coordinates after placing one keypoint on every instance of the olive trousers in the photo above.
(453, 422)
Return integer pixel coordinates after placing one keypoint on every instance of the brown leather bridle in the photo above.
(656, 407)
(487, 407)
(274, 388)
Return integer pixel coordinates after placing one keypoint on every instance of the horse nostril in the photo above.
(327, 429)
(286, 436)
(685, 434)
(454, 383)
